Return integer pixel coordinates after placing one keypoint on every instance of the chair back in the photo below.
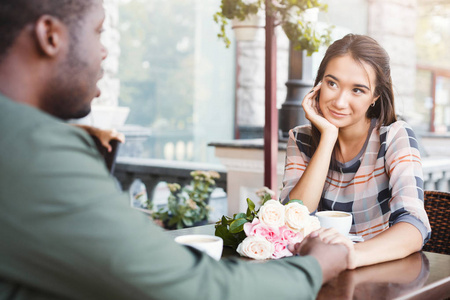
(109, 157)
(437, 206)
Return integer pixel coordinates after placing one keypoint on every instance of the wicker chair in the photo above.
(437, 205)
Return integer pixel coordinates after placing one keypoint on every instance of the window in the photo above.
(433, 60)
(176, 76)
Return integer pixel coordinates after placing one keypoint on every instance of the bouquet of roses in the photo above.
(266, 233)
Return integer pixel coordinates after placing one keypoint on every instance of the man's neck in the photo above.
(19, 83)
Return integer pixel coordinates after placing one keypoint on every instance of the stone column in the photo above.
(393, 24)
(250, 68)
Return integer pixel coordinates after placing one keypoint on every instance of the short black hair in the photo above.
(16, 14)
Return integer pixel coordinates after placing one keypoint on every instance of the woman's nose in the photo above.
(341, 101)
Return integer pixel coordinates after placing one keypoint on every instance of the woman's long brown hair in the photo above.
(363, 49)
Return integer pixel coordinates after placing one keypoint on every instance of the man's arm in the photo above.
(332, 258)
(72, 234)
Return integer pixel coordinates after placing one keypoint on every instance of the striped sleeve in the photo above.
(295, 163)
(404, 166)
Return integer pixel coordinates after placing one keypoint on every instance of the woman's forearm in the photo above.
(397, 242)
(310, 186)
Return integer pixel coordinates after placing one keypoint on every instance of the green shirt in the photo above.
(66, 232)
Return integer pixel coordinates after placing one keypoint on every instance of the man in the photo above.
(65, 232)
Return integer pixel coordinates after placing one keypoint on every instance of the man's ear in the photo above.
(51, 35)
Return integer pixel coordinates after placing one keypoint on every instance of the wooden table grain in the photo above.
(422, 275)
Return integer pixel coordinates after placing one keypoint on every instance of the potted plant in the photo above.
(188, 206)
(297, 18)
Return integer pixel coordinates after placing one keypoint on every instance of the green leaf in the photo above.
(251, 205)
(187, 222)
(296, 200)
(266, 198)
(224, 220)
(237, 225)
(174, 220)
(240, 216)
(228, 238)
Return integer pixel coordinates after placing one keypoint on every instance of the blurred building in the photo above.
(185, 89)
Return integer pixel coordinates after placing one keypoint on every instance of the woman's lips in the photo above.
(336, 114)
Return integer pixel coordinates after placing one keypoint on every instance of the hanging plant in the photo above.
(296, 17)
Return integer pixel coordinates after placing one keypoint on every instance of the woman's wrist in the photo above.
(330, 135)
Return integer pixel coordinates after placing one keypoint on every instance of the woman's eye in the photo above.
(358, 91)
(332, 84)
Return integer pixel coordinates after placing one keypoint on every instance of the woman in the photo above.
(356, 157)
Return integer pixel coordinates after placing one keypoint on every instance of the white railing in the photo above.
(436, 173)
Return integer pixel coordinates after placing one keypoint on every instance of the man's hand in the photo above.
(332, 236)
(332, 258)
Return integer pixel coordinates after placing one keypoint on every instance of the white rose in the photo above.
(312, 225)
(256, 247)
(272, 213)
(297, 216)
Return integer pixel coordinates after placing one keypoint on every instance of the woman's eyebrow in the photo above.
(356, 85)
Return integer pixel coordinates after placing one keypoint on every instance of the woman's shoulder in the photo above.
(302, 129)
(396, 127)
(398, 132)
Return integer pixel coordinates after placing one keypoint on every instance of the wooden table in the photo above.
(422, 275)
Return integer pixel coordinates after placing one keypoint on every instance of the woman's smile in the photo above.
(337, 114)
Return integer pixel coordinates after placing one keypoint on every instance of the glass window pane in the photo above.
(176, 76)
(423, 104)
(442, 109)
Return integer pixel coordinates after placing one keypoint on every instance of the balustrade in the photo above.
(436, 172)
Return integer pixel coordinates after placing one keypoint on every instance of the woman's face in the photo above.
(347, 92)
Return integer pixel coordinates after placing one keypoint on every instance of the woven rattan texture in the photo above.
(437, 205)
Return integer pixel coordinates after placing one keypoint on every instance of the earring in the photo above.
(373, 104)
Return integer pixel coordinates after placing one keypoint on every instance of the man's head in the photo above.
(65, 49)
(15, 15)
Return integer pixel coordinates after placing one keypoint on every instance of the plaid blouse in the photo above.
(381, 186)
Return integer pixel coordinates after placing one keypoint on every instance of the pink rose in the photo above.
(280, 250)
(290, 236)
(257, 228)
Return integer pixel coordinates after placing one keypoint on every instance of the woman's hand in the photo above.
(313, 113)
(104, 135)
(332, 236)
(107, 135)
(331, 258)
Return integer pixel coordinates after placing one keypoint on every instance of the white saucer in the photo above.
(355, 238)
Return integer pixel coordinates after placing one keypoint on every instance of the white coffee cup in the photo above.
(339, 220)
(210, 244)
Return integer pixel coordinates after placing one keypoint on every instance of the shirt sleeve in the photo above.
(71, 233)
(294, 167)
(404, 166)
